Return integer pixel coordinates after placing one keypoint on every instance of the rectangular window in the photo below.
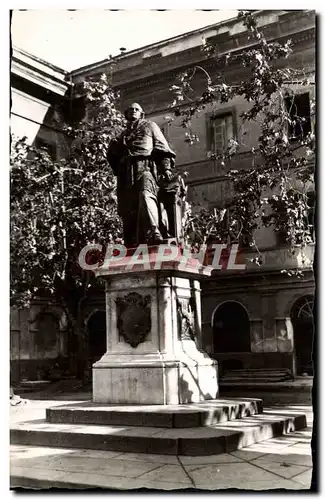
(221, 131)
(298, 107)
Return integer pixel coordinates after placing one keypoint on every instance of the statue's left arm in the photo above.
(161, 153)
(113, 156)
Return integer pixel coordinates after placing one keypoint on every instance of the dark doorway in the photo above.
(303, 327)
(231, 330)
(96, 327)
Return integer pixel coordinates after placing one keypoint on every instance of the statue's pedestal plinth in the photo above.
(154, 351)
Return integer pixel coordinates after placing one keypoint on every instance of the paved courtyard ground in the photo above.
(279, 463)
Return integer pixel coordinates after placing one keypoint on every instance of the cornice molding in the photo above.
(251, 279)
(208, 180)
(242, 154)
(36, 71)
(222, 176)
(96, 67)
(170, 74)
(269, 20)
(39, 63)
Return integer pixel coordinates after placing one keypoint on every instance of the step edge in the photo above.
(280, 418)
(178, 444)
(170, 419)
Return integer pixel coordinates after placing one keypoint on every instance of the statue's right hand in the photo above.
(168, 175)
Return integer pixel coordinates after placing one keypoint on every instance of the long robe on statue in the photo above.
(137, 158)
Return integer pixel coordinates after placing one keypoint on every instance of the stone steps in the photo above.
(252, 377)
(259, 370)
(193, 441)
(247, 382)
(255, 376)
(172, 416)
(259, 378)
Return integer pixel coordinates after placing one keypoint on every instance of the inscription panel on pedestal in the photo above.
(133, 318)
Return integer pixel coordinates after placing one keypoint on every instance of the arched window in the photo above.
(231, 329)
(303, 327)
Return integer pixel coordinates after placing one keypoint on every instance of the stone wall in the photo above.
(145, 76)
(38, 342)
(269, 307)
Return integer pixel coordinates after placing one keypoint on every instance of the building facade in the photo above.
(256, 318)
(38, 93)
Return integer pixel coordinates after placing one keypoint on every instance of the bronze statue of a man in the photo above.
(142, 161)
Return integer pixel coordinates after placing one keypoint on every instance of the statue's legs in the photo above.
(148, 225)
(138, 206)
(148, 213)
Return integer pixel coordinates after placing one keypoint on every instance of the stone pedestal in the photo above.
(154, 351)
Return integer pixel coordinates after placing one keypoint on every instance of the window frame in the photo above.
(292, 128)
(210, 117)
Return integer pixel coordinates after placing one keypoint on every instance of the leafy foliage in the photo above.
(202, 225)
(59, 206)
(274, 189)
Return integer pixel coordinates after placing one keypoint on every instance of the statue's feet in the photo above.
(156, 238)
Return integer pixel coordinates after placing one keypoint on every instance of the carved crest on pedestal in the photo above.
(134, 317)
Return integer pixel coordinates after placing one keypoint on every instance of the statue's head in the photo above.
(134, 112)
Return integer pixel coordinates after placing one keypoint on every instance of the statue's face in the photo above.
(134, 112)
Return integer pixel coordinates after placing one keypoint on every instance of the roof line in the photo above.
(38, 59)
(156, 44)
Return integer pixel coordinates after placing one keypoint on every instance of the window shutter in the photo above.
(220, 130)
(209, 133)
